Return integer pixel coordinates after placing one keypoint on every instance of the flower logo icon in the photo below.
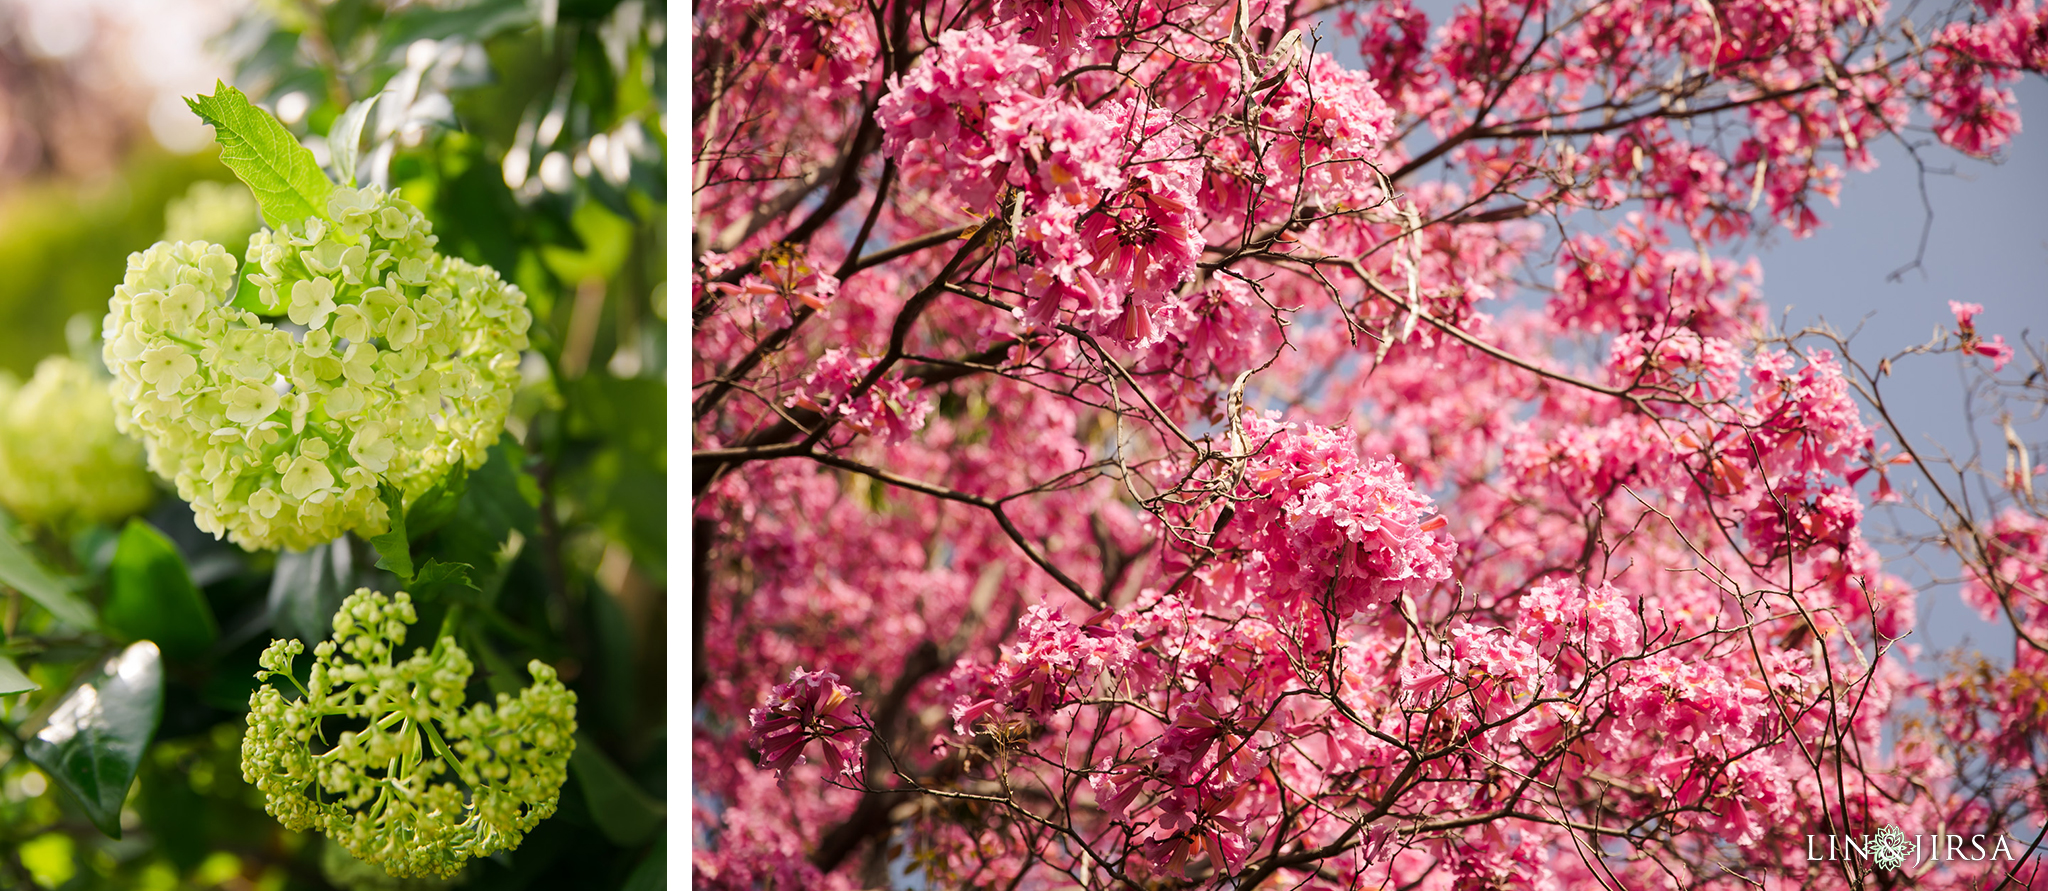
(1888, 848)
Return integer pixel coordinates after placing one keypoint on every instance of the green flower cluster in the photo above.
(398, 364)
(61, 457)
(418, 784)
(344, 871)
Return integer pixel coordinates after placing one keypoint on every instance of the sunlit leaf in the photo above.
(12, 680)
(345, 139)
(92, 740)
(288, 183)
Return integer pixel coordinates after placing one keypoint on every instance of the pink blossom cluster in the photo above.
(891, 407)
(812, 706)
(1324, 531)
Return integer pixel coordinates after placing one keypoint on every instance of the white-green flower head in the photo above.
(406, 777)
(398, 364)
(61, 456)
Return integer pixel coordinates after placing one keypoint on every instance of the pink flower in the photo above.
(1061, 24)
(892, 407)
(812, 706)
(1966, 313)
(1966, 328)
(1996, 349)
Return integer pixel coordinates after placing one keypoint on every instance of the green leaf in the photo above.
(499, 672)
(250, 297)
(434, 506)
(470, 21)
(91, 742)
(20, 571)
(652, 873)
(394, 547)
(12, 680)
(498, 498)
(151, 596)
(288, 183)
(626, 814)
(437, 579)
(345, 138)
(174, 813)
(629, 412)
(306, 589)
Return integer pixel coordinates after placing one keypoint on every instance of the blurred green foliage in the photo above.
(64, 244)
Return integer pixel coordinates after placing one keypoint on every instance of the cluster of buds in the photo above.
(421, 783)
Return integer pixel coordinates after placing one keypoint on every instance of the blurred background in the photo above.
(94, 142)
(532, 134)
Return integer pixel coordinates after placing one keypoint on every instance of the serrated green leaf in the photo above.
(288, 183)
(151, 595)
(20, 571)
(345, 138)
(437, 579)
(13, 680)
(394, 547)
(92, 740)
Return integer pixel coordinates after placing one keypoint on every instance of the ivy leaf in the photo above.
(151, 595)
(345, 138)
(394, 548)
(12, 680)
(92, 741)
(21, 572)
(288, 183)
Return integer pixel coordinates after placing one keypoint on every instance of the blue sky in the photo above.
(1988, 245)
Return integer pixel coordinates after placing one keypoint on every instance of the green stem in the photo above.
(441, 748)
(449, 623)
(181, 340)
